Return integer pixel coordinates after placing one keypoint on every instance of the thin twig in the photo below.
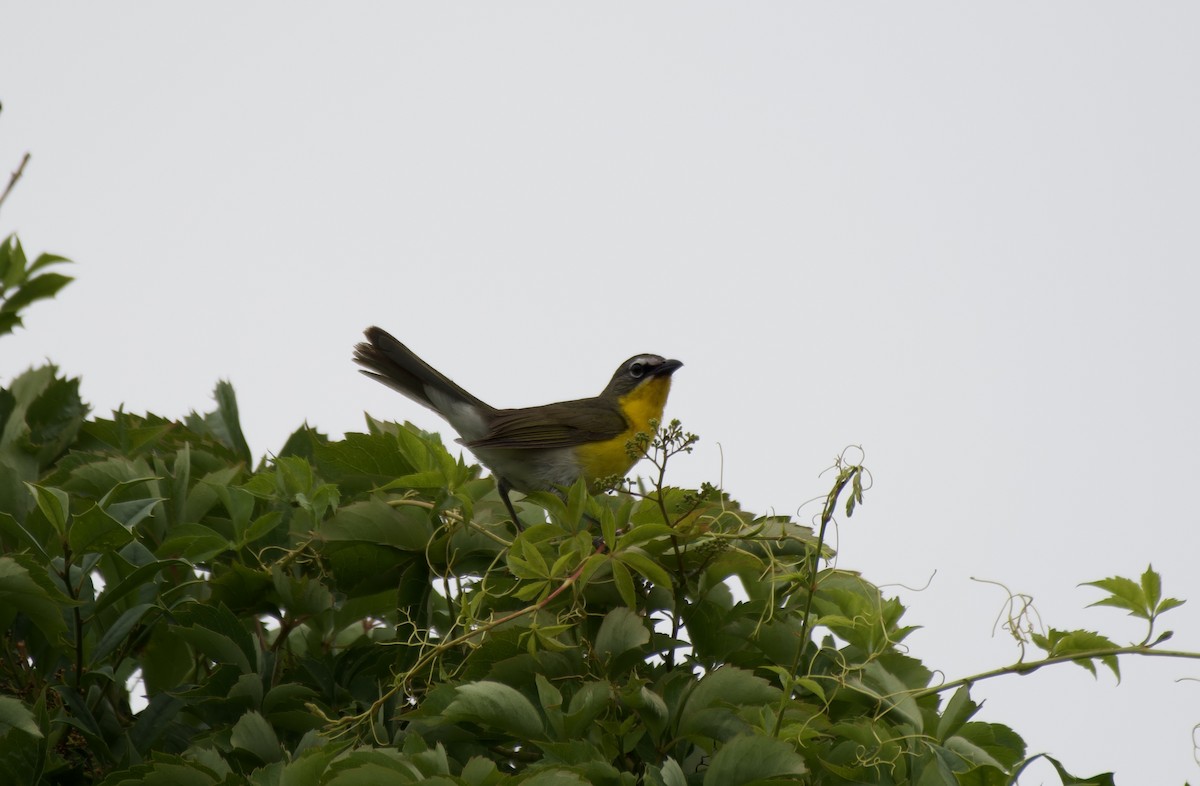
(12, 181)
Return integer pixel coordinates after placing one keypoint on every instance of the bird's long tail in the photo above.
(395, 365)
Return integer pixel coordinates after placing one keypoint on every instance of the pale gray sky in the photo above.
(964, 237)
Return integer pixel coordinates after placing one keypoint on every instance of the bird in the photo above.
(532, 448)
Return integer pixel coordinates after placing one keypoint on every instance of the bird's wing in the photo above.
(561, 425)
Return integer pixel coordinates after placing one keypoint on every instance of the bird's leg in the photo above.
(503, 487)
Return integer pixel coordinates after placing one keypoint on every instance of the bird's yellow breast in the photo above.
(643, 404)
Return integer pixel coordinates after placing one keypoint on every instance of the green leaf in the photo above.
(586, 705)
(972, 753)
(218, 633)
(1152, 586)
(958, 711)
(479, 771)
(749, 758)
(138, 578)
(96, 530)
(670, 774)
(404, 527)
(15, 715)
(252, 733)
(1123, 594)
(194, 542)
(40, 287)
(43, 604)
(643, 564)
(624, 582)
(54, 504)
(555, 777)
(361, 462)
(498, 705)
(227, 424)
(152, 722)
(996, 740)
(1062, 643)
(1105, 779)
(1167, 604)
(116, 633)
(891, 691)
(621, 630)
(708, 710)
(44, 260)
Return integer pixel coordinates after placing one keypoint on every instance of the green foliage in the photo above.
(22, 283)
(360, 611)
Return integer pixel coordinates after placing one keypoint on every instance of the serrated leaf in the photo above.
(730, 686)
(1123, 594)
(376, 522)
(1104, 779)
(96, 530)
(40, 287)
(1167, 604)
(1060, 643)
(1152, 586)
(252, 733)
(958, 711)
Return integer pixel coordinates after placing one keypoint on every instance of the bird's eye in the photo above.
(637, 369)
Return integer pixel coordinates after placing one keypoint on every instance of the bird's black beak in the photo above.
(667, 368)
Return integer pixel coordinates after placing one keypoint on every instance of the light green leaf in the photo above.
(1123, 594)
(1152, 586)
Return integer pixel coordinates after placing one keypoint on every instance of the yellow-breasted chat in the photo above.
(532, 448)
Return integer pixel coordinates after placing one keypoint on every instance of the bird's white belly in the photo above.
(531, 469)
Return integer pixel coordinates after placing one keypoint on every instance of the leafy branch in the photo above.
(1142, 599)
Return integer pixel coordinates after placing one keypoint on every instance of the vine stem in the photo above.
(1032, 666)
(428, 657)
(805, 625)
